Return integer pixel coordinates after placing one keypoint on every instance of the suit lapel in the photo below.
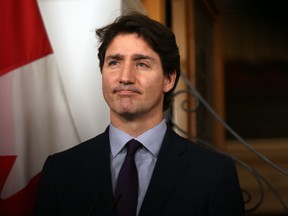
(98, 173)
(169, 169)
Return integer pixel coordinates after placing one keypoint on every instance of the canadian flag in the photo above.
(35, 119)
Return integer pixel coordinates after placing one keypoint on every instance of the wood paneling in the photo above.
(156, 9)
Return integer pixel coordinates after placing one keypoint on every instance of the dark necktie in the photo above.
(127, 184)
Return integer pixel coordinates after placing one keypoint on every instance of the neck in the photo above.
(135, 126)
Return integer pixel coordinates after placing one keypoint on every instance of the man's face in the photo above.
(133, 81)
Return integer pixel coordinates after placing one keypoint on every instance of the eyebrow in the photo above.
(141, 57)
(116, 56)
(135, 57)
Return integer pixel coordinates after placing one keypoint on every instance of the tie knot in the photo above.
(132, 146)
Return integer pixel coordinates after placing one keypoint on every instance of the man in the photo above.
(140, 66)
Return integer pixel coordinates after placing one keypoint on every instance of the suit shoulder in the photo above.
(196, 150)
(89, 145)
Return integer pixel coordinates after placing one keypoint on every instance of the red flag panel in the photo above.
(23, 38)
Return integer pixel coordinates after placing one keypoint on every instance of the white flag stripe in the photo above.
(71, 25)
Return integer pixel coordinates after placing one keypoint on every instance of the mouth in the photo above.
(126, 91)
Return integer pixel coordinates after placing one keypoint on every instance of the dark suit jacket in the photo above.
(187, 180)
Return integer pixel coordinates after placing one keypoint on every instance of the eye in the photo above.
(142, 65)
(113, 63)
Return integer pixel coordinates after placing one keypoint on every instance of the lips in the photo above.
(126, 90)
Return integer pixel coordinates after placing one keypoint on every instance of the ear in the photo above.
(169, 82)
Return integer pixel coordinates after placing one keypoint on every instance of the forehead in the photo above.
(129, 43)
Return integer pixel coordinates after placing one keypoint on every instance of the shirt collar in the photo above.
(151, 139)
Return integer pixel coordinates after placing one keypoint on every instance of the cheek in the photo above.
(106, 81)
(106, 86)
(155, 86)
(103, 82)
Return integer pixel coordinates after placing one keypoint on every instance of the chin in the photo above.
(126, 112)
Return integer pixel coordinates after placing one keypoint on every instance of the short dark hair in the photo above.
(159, 37)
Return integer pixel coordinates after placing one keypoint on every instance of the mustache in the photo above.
(126, 88)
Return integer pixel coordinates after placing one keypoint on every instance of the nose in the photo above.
(127, 75)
